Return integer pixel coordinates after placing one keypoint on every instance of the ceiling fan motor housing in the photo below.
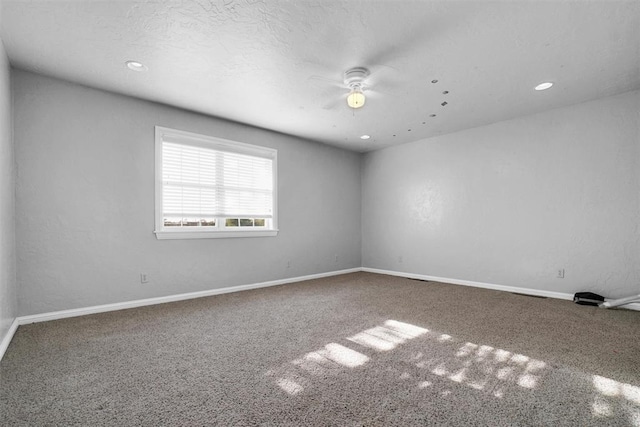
(354, 77)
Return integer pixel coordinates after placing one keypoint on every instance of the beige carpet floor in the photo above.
(354, 350)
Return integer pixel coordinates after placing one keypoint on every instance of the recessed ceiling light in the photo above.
(544, 86)
(365, 137)
(136, 66)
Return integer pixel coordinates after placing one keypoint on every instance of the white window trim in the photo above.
(215, 232)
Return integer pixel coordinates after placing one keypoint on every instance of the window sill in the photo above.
(173, 235)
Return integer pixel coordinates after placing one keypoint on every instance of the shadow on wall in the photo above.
(428, 360)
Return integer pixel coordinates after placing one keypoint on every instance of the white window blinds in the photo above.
(202, 180)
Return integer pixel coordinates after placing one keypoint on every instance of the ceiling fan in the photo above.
(379, 78)
(357, 81)
(354, 79)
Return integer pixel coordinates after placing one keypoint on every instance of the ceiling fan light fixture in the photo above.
(356, 98)
(354, 79)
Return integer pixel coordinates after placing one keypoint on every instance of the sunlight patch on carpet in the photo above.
(484, 367)
(290, 386)
(334, 357)
(344, 356)
(614, 396)
(388, 336)
(442, 361)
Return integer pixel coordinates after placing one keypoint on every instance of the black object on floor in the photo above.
(588, 298)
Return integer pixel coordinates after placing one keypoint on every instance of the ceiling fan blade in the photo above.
(412, 42)
(374, 94)
(330, 94)
(334, 103)
(391, 53)
(385, 78)
(325, 81)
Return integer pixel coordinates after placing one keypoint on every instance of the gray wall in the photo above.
(8, 305)
(85, 197)
(509, 203)
(513, 202)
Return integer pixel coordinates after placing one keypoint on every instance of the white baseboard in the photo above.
(44, 317)
(4, 344)
(23, 320)
(526, 291)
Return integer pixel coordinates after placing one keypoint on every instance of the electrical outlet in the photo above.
(336, 258)
(289, 264)
(560, 273)
(400, 259)
(144, 278)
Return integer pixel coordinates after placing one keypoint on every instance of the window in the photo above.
(209, 187)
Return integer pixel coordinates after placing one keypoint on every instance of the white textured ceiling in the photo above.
(279, 64)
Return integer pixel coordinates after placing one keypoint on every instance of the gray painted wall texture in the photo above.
(513, 202)
(8, 304)
(85, 193)
(508, 204)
